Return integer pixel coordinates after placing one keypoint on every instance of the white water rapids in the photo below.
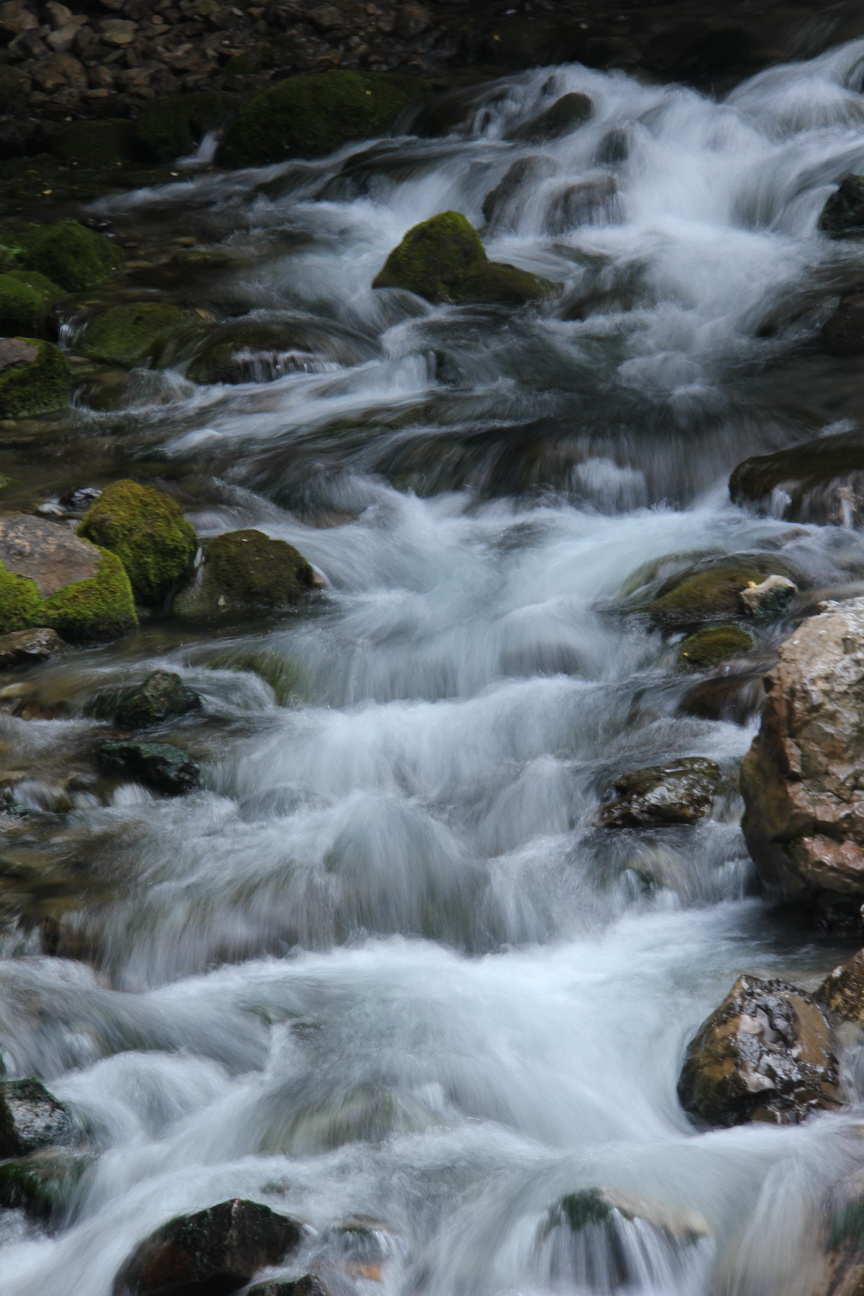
(383, 964)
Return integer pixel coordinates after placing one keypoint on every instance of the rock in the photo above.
(244, 573)
(766, 1054)
(586, 202)
(769, 597)
(251, 350)
(132, 333)
(70, 255)
(31, 1118)
(710, 647)
(29, 647)
(160, 765)
(411, 20)
(818, 481)
(161, 696)
(173, 126)
(560, 118)
(49, 577)
(314, 113)
(218, 1250)
(735, 697)
(843, 213)
(443, 259)
(43, 1185)
(34, 377)
(524, 170)
(16, 17)
(60, 72)
(117, 31)
(802, 779)
(308, 1285)
(842, 991)
(680, 792)
(25, 299)
(843, 333)
(149, 534)
(709, 591)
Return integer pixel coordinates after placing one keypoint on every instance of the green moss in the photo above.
(70, 255)
(19, 601)
(244, 573)
(313, 113)
(131, 333)
(110, 142)
(281, 674)
(44, 1184)
(148, 532)
(709, 647)
(173, 125)
(22, 308)
(101, 607)
(501, 283)
(36, 387)
(710, 592)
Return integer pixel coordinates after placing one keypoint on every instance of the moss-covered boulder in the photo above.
(160, 765)
(49, 577)
(711, 591)
(256, 350)
(43, 1185)
(161, 696)
(313, 113)
(26, 298)
(843, 213)
(715, 644)
(69, 254)
(148, 533)
(132, 333)
(444, 260)
(34, 377)
(566, 114)
(172, 126)
(818, 481)
(244, 573)
(109, 142)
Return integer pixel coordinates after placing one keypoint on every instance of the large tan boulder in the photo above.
(803, 778)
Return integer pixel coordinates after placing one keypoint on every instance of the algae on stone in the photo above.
(243, 573)
(311, 114)
(709, 647)
(101, 607)
(131, 333)
(24, 305)
(34, 377)
(710, 591)
(68, 253)
(148, 532)
(19, 601)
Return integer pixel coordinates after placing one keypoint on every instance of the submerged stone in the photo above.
(132, 333)
(43, 1184)
(244, 573)
(31, 1118)
(34, 377)
(716, 644)
(843, 213)
(161, 696)
(147, 531)
(307, 1285)
(843, 333)
(560, 118)
(679, 792)
(160, 765)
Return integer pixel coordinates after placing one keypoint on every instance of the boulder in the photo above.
(69, 254)
(51, 578)
(443, 260)
(29, 647)
(43, 1184)
(842, 991)
(161, 696)
(31, 1118)
(843, 213)
(768, 598)
(803, 778)
(25, 301)
(843, 333)
(713, 645)
(149, 534)
(254, 350)
(710, 591)
(818, 481)
(560, 118)
(172, 126)
(524, 170)
(307, 1285)
(34, 377)
(679, 792)
(218, 1250)
(244, 573)
(735, 697)
(162, 766)
(766, 1054)
(314, 113)
(133, 333)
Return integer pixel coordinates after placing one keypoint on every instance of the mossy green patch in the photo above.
(244, 573)
(72, 256)
(23, 309)
(109, 142)
(715, 644)
(148, 533)
(444, 260)
(19, 601)
(99, 608)
(277, 671)
(173, 125)
(131, 333)
(313, 113)
(710, 592)
(44, 1184)
(37, 386)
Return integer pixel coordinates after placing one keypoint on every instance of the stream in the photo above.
(384, 965)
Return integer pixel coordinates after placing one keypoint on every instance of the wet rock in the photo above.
(843, 213)
(133, 333)
(34, 377)
(49, 577)
(25, 302)
(735, 697)
(443, 260)
(43, 1185)
(29, 647)
(147, 531)
(68, 254)
(768, 598)
(766, 1054)
(818, 481)
(251, 351)
(842, 991)
(710, 591)
(560, 118)
(161, 696)
(679, 792)
(308, 1285)
(314, 113)
(518, 174)
(218, 1250)
(162, 766)
(173, 126)
(802, 779)
(586, 202)
(244, 573)
(31, 1118)
(843, 333)
(710, 647)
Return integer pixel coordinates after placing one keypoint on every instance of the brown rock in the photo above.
(842, 991)
(767, 1054)
(28, 647)
(59, 15)
(60, 72)
(15, 352)
(17, 17)
(63, 38)
(117, 31)
(803, 778)
(679, 792)
(45, 552)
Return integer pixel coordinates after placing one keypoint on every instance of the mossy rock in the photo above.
(821, 479)
(111, 142)
(313, 113)
(160, 765)
(43, 1185)
(277, 671)
(148, 533)
(20, 601)
(173, 125)
(102, 607)
(710, 592)
(132, 333)
(161, 696)
(24, 306)
(843, 213)
(716, 644)
(444, 260)
(72, 256)
(244, 573)
(560, 118)
(34, 377)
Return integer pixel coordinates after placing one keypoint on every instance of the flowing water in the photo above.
(384, 965)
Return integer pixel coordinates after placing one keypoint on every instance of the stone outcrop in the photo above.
(803, 778)
(766, 1054)
(679, 792)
